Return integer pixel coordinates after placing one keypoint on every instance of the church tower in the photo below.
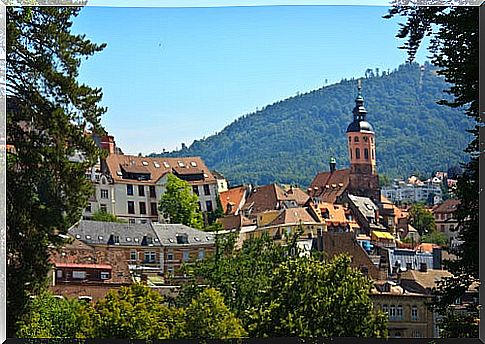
(363, 178)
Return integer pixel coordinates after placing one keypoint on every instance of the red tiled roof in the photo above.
(292, 216)
(234, 196)
(234, 221)
(264, 198)
(327, 186)
(447, 206)
(157, 167)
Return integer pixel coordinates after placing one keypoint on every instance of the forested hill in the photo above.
(291, 140)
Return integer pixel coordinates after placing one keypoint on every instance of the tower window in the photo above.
(372, 154)
(365, 138)
(351, 154)
(350, 138)
(371, 140)
(357, 153)
(366, 154)
(356, 139)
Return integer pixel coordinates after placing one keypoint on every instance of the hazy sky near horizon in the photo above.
(173, 75)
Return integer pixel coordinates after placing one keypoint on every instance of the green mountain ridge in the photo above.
(292, 140)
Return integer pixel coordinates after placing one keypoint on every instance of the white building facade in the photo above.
(130, 187)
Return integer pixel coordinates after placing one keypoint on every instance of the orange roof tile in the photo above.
(233, 196)
(327, 186)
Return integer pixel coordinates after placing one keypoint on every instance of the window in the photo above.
(150, 257)
(442, 228)
(170, 255)
(170, 270)
(104, 275)
(182, 239)
(195, 188)
(185, 256)
(385, 309)
(208, 205)
(59, 273)
(365, 138)
(141, 190)
(104, 193)
(414, 313)
(153, 209)
(357, 153)
(143, 208)
(133, 256)
(201, 254)
(350, 138)
(131, 221)
(104, 208)
(79, 274)
(356, 139)
(153, 194)
(207, 190)
(129, 189)
(399, 312)
(350, 153)
(366, 154)
(88, 208)
(371, 139)
(131, 207)
(416, 334)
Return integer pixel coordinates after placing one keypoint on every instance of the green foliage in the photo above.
(48, 112)
(137, 312)
(208, 317)
(421, 219)
(295, 137)
(308, 298)
(103, 216)
(451, 27)
(435, 237)
(180, 203)
(51, 317)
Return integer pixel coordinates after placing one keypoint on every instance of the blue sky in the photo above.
(172, 75)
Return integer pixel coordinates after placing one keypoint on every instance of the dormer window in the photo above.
(182, 239)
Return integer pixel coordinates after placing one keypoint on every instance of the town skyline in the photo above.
(264, 55)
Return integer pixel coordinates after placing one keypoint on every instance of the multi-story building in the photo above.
(130, 187)
(413, 193)
(149, 248)
(446, 223)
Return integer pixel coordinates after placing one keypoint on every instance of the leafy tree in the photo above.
(208, 317)
(421, 219)
(104, 216)
(51, 317)
(435, 237)
(454, 172)
(137, 312)
(240, 275)
(48, 112)
(308, 298)
(180, 203)
(451, 27)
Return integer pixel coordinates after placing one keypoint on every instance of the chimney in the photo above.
(332, 163)
(108, 144)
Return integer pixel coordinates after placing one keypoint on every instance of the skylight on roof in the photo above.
(119, 173)
(156, 164)
(136, 239)
(78, 236)
(193, 164)
(206, 175)
(166, 164)
(197, 239)
(128, 239)
(88, 237)
(208, 238)
(171, 240)
(181, 163)
(144, 163)
(156, 239)
(100, 237)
